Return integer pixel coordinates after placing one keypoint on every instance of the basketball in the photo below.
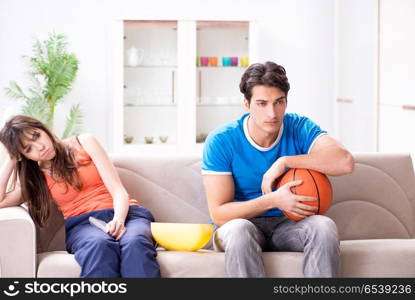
(314, 184)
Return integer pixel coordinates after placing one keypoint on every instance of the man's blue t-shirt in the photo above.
(230, 150)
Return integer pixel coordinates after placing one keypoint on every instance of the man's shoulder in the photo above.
(293, 117)
(220, 146)
(227, 131)
(294, 121)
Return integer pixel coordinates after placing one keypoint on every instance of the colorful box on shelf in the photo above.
(227, 61)
(204, 61)
(244, 61)
(207, 61)
(213, 61)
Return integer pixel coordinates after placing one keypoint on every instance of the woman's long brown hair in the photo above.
(33, 183)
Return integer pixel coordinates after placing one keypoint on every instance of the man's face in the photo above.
(267, 108)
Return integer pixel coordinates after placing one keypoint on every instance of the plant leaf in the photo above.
(52, 71)
(14, 91)
(73, 122)
(58, 66)
(37, 108)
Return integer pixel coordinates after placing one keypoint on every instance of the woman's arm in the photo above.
(112, 182)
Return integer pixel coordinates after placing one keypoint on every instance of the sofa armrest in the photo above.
(17, 243)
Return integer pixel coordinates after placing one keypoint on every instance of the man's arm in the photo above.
(220, 192)
(327, 156)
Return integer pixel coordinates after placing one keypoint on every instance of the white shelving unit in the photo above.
(168, 94)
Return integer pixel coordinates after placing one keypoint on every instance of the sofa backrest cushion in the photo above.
(375, 201)
(170, 187)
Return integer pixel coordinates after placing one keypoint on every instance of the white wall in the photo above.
(297, 34)
(397, 76)
(24, 21)
(300, 36)
(356, 71)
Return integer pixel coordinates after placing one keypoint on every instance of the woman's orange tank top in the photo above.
(93, 195)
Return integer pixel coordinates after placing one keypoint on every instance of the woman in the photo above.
(78, 175)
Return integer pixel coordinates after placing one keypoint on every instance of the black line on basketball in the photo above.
(295, 187)
(318, 192)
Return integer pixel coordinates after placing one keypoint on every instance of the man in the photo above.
(241, 162)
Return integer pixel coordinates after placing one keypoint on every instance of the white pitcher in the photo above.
(134, 56)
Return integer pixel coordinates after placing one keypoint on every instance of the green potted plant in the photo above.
(52, 70)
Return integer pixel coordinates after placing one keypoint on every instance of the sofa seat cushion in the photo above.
(283, 264)
(57, 264)
(202, 263)
(360, 258)
(182, 264)
(378, 258)
(208, 263)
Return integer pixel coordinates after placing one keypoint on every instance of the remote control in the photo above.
(98, 223)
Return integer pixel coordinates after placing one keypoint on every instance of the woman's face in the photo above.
(37, 145)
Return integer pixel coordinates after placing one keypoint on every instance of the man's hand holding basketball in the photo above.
(270, 176)
(292, 203)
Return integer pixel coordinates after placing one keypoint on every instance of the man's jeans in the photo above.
(244, 240)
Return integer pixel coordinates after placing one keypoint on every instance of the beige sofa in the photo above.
(373, 209)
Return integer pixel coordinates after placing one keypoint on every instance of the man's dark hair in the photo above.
(269, 74)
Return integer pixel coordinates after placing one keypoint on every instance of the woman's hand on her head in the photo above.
(7, 165)
(4, 153)
(116, 229)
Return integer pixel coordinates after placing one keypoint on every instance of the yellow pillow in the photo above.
(181, 236)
